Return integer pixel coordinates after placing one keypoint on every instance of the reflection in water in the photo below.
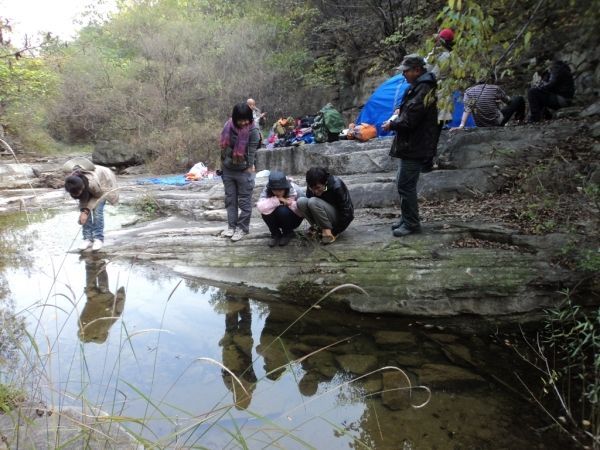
(466, 405)
(237, 350)
(102, 308)
(12, 331)
(468, 409)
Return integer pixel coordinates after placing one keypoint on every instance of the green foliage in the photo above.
(410, 28)
(493, 39)
(589, 260)
(147, 206)
(160, 70)
(326, 72)
(540, 216)
(10, 397)
(572, 336)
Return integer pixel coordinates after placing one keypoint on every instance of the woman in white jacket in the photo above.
(277, 204)
(92, 186)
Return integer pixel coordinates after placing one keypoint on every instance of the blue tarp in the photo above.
(382, 102)
(387, 97)
(459, 107)
(174, 180)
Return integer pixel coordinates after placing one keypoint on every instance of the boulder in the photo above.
(592, 110)
(117, 153)
(15, 175)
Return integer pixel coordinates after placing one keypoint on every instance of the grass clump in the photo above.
(10, 397)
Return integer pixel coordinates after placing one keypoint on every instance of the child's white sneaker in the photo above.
(97, 245)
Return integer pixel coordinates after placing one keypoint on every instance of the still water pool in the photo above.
(151, 349)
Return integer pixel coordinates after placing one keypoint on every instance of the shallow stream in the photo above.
(140, 343)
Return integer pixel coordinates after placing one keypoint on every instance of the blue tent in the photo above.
(387, 97)
(382, 102)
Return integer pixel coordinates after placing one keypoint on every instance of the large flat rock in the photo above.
(417, 275)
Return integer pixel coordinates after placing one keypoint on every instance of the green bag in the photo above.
(328, 124)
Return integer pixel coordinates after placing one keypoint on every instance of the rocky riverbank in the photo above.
(476, 255)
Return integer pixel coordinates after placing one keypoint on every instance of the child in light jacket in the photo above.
(277, 205)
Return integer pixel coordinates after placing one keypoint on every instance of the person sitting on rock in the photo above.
(483, 102)
(277, 204)
(555, 90)
(327, 205)
(92, 185)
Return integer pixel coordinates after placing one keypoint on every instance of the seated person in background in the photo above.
(277, 204)
(556, 90)
(483, 101)
(327, 205)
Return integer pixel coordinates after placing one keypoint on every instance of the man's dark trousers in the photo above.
(406, 180)
(516, 106)
(540, 99)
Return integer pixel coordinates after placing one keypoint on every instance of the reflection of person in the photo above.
(102, 308)
(279, 351)
(92, 185)
(239, 141)
(416, 139)
(327, 205)
(237, 350)
(277, 204)
(556, 90)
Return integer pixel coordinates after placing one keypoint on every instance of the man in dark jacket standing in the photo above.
(555, 91)
(416, 139)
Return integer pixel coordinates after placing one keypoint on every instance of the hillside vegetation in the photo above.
(162, 75)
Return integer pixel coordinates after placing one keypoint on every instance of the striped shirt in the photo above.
(482, 101)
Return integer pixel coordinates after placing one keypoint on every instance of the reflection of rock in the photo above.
(408, 359)
(373, 383)
(322, 362)
(396, 394)
(451, 421)
(457, 353)
(395, 337)
(309, 383)
(441, 375)
(357, 364)
(102, 308)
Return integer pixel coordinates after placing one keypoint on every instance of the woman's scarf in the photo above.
(241, 144)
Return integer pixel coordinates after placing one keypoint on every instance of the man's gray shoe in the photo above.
(398, 224)
(405, 230)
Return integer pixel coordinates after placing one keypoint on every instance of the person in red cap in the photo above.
(446, 38)
(438, 64)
